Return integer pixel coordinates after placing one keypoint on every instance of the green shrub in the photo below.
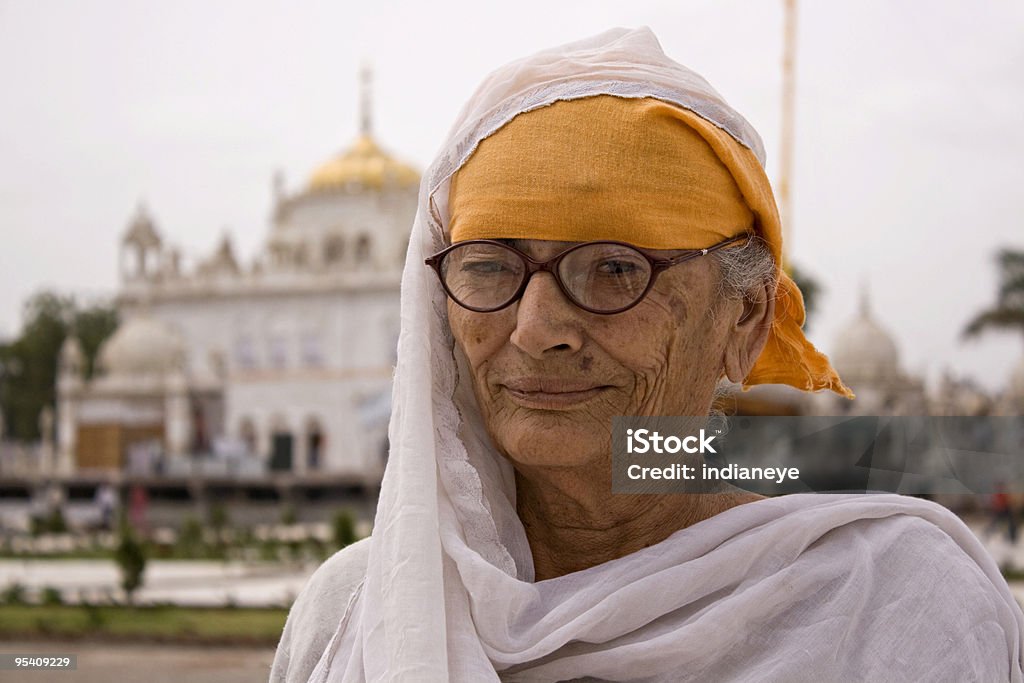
(95, 616)
(52, 523)
(269, 550)
(219, 517)
(288, 516)
(317, 548)
(14, 594)
(344, 529)
(131, 560)
(51, 596)
(190, 537)
(55, 522)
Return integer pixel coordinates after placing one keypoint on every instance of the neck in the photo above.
(573, 524)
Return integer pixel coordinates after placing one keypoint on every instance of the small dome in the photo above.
(865, 352)
(71, 350)
(142, 346)
(71, 359)
(364, 164)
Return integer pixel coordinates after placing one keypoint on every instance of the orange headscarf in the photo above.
(644, 172)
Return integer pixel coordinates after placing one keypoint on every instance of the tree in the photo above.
(28, 364)
(92, 326)
(1008, 313)
(131, 560)
(810, 289)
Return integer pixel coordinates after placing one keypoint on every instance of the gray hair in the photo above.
(745, 269)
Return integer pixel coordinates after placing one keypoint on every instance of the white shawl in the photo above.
(809, 587)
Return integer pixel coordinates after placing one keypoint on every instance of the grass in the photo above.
(223, 626)
(1013, 574)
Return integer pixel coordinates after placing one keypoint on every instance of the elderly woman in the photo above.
(598, 238)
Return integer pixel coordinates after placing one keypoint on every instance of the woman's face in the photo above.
(549, 376)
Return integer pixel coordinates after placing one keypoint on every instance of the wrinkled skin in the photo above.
(662, 357)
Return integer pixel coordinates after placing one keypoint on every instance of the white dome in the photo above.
(71, 355)
(70, 361)
(865, 352)
(142, 346)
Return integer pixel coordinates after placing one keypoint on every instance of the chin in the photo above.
(544, 443)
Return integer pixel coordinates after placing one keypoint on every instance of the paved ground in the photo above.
(183, 582)
(99, 663)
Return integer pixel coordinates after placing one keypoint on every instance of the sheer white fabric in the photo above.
(798, 588)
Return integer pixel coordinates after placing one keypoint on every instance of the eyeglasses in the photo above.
(602, 277)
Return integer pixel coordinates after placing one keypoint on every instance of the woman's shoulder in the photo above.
(902, 538)
(932, 595)
(316, 612)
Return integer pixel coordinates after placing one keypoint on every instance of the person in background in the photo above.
(106, 501)
(1003, 513)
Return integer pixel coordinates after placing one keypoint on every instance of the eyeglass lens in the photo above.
(600, 276)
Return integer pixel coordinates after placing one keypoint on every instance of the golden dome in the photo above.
(364, 164)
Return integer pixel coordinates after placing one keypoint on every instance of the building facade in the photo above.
(280, 365)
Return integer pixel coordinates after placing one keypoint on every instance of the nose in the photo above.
(546, 320)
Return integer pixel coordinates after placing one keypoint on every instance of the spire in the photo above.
(865, 300)
(277, 185)
(788, 132)
(365, 100)
(141, 229)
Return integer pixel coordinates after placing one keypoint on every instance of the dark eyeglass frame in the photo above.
(534, 266)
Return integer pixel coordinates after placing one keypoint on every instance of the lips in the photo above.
(551, 393)
(545, 385)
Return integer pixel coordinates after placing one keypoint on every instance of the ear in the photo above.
(749, 333)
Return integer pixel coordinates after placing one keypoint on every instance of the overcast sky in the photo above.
(909, 153)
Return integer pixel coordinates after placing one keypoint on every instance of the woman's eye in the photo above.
(483, 267)
(617, 267)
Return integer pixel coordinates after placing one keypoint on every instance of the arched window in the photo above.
(200, 433)
(281, 445)
(334, 249)
(362, 249)
(315, 442)
(247, 434)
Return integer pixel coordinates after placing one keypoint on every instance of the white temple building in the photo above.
(866, 356)
(284, 364)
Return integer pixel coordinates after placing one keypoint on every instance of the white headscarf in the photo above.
(449, 592)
